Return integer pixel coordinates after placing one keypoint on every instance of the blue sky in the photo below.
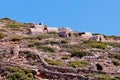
(101, 16)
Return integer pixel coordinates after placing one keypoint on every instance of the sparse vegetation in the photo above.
(15, 25)
(16, 73)
(113, 44)
(65, 57)
(1, 56)
(95, 44)
(46, 36)
(101, 76)
(77, 53)
(32, 55)
(2, 35)
(116, 63)
(46, 48)
(113, 37)
(55, 51)
(16, 39)
(78, 64)
(64, 41)
(52, 62)
(117, 56)
(51, 42)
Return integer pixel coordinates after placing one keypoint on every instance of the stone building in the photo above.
(41, 29)
(65, 32)
(98, 38)
(52, 29)
(86, 35)
(37, 29)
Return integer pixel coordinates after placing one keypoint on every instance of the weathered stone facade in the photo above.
(52, 29)
(86, 35)
(65, 32)
(98, 38)
(42, 29)
(37, 29)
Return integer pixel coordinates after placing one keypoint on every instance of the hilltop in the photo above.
(31, 51)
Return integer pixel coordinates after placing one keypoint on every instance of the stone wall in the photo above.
(63, 73)
(68, 69)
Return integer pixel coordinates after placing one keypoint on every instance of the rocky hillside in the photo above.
(37, 52)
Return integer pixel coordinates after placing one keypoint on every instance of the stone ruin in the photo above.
(37, 29)
(41, 29)
(90, 36)
(98, 38)
(100, 61)
(86, 35)
(65, 32)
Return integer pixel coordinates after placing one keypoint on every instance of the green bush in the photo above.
(77, 53)
(114, 44)
(116, 78)
(65, 57)
(100, 76)
(31, 45)
(64, 41)
(95, 44)
(75, 34)
(78, 64)
(51, 42)
(15, 25)
(39, 37)
(46, 48)
(117, 56)
(16, 39)
(32, 55)
(20, 74)
(46, 36)
(1, 56)
(52, 62)
(116, 63)
(2, 35)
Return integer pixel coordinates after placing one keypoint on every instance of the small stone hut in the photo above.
(40, 29)
(52, 29)
(85, 35)
(98, 38)
(65, 32)
(37, 29)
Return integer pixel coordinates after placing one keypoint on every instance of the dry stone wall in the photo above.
(63, 73)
